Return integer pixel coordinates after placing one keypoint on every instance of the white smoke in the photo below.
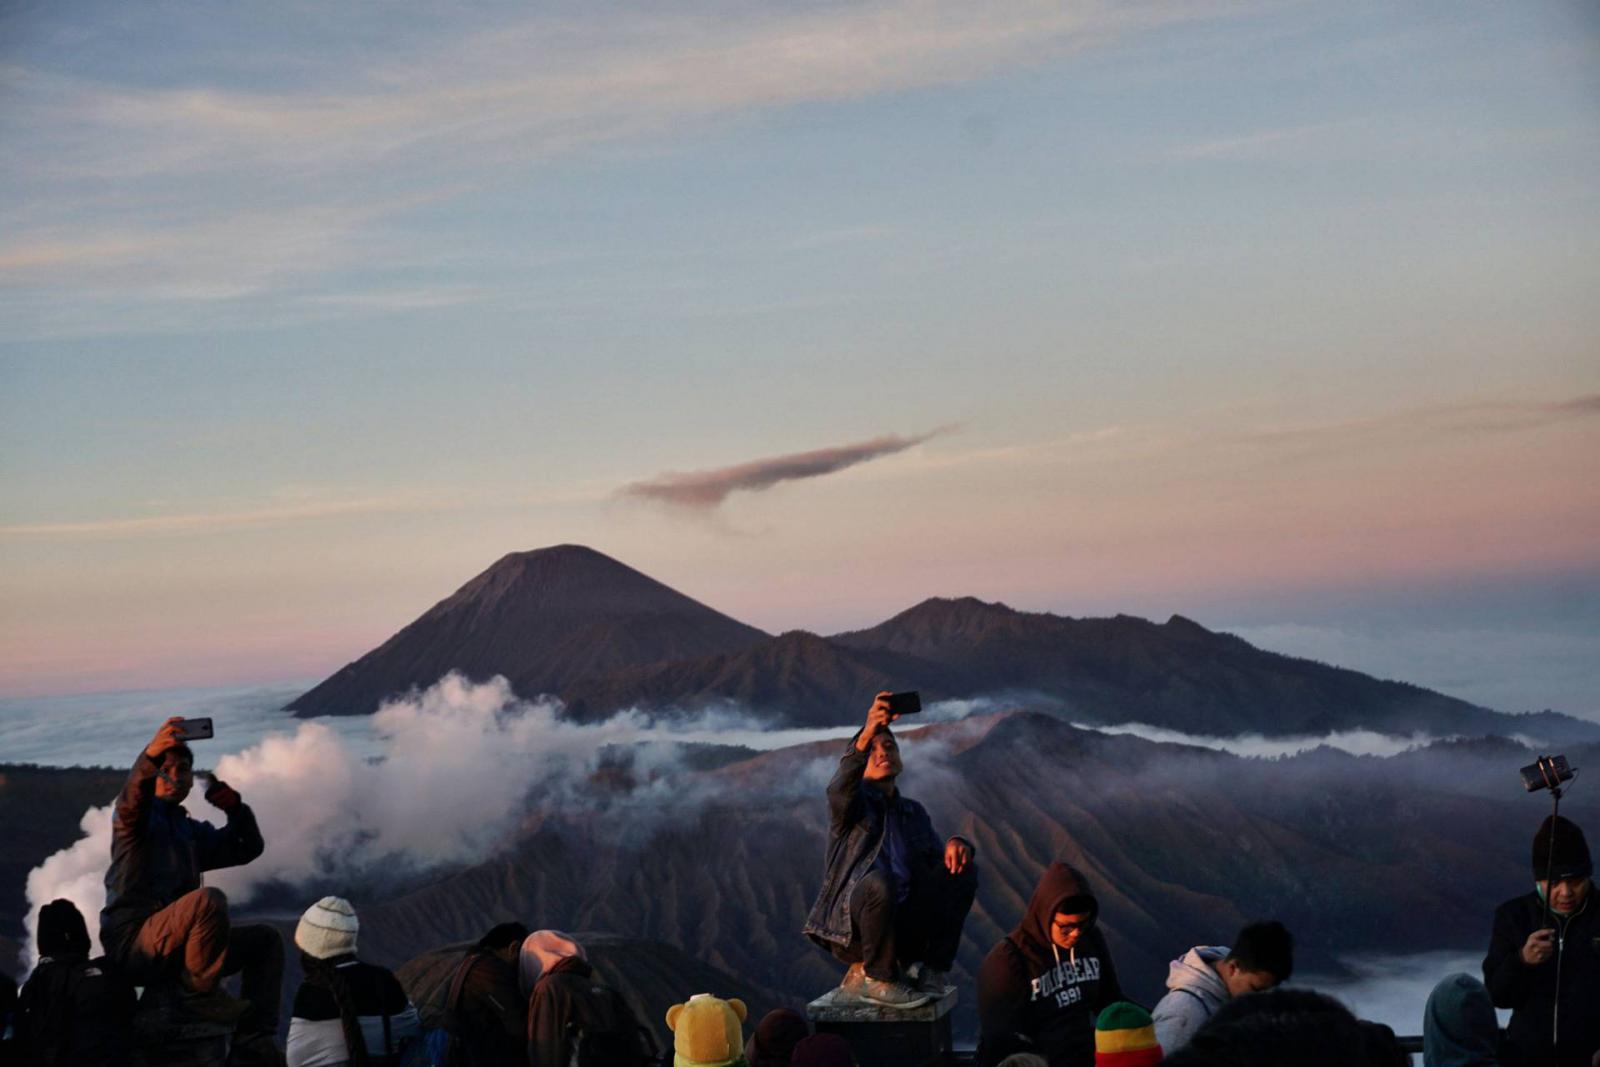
(445, 776)
(1355, 742)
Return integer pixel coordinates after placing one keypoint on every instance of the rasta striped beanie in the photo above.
(1124, 1036)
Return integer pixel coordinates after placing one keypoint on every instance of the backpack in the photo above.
(440, 1046)
(601, 1029)
(78, 1011)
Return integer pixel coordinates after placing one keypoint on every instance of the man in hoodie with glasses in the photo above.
(1040, 988)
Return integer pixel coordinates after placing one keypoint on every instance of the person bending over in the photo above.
(894, 896)
(491, 1017)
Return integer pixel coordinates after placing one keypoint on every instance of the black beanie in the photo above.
(62, 931)
(1571, 851)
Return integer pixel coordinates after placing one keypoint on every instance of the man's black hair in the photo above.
(1279, 1027)
(503, 935)
(180, 749)
(1266, 946)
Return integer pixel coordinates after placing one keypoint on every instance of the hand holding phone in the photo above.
(195, 729)
(908, 703)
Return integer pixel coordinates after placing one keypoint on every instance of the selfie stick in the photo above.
(1552, 782)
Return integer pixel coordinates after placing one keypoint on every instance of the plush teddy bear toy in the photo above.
(707, 1032)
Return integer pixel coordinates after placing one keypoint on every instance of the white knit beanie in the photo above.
(327, 929)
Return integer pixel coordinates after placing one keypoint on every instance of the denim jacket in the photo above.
(855, 836)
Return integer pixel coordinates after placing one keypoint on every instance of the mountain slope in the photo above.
(795, 679)
(1181, 845)
(542, 619)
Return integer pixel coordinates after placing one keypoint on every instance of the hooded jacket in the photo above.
(553, 966)
(1458, 1025)
(856, 820)
(566, 1000)
(1567, 984)
(1036, 996)
(1195, 992)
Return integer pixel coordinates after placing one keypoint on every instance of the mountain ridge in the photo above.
(569, 622)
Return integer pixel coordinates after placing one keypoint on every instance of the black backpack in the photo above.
(601, 1030)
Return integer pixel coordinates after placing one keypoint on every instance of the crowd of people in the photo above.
(894, 898)
(892, 905)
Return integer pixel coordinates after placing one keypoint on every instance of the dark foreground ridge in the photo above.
(1183, 845)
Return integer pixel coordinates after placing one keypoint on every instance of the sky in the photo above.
(1276, 315)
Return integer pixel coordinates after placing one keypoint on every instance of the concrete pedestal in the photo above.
(887, 1037)
(171, 1038)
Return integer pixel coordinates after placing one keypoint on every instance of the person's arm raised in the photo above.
(140, 788)
(844, 791)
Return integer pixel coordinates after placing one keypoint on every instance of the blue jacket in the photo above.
(855, 836)
(158, 853)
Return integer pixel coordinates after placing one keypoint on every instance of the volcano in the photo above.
(542, 619)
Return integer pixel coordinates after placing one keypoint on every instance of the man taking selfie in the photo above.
(160, 919)
(894, 896)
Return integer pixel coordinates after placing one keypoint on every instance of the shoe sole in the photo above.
(915, 1002)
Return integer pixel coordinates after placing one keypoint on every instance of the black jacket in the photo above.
(75, 1012)
(158, 854)
(1531, 992)
(1034, 996)
(491, 1019)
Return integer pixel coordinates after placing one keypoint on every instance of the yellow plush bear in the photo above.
(707, 1032)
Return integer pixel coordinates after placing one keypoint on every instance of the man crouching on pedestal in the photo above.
(893, 896)
(160, 920)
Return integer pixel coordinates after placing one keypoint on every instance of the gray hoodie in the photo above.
(1195, 992)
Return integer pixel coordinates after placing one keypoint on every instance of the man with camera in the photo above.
(159, 918)
(894, 897)
(1544, 955)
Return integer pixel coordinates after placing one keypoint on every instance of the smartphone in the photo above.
(194, 729)
(905, 703)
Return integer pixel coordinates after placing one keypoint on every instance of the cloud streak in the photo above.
(1468, 418)
(218, 521)
(705, 490)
